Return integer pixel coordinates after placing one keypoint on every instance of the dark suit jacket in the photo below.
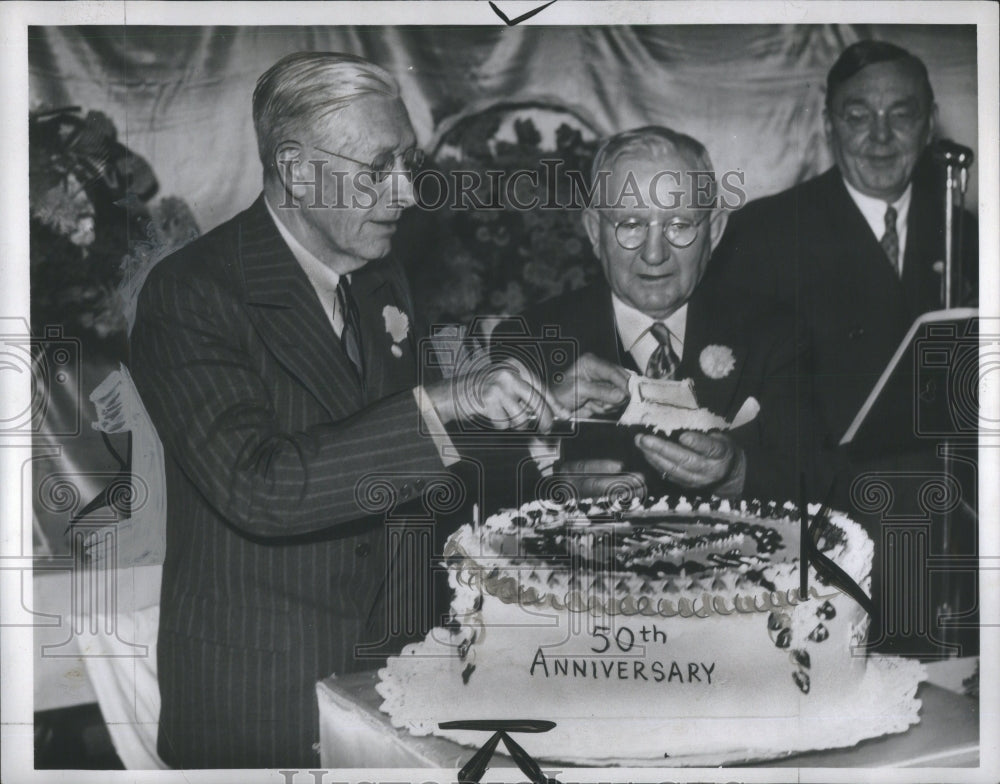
(767, 366)
(809, 248)
(274, 570)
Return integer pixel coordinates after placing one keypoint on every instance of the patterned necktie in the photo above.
(890, 240)
(350, 337)
(663, 361)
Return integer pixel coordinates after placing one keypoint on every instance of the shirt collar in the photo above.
(633, 325)
(873, 209)
(323, 278)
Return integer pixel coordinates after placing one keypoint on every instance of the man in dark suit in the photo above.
(276, 359)
(857, 250)
(858, 253)
(662, 311)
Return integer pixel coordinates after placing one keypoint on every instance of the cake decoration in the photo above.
(650, 630)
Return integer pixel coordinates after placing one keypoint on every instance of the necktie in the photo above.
(663, 361)
(350, 337)
(890, 240)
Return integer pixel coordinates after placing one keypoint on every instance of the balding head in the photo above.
(673, 151)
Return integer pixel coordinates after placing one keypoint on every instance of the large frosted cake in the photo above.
(653, 633)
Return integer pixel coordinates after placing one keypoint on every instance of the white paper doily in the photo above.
(418, 690)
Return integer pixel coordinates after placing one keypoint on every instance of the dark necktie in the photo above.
(663, 361)
(350, 337)
(890, 240)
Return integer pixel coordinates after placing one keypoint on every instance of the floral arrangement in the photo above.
(91, 224)
(500, 259)
(95, 232)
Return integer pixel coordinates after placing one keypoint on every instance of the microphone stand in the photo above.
(957, 160)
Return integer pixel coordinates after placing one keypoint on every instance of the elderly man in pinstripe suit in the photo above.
(275, 358)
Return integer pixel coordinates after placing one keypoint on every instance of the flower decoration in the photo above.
(529, 243)
(397, 324)
(65, 208)
(717, 361)
(91, 213)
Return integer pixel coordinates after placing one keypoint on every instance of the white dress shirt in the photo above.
(874, 209)
(633, 329)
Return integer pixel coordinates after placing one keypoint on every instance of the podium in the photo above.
(913, 456)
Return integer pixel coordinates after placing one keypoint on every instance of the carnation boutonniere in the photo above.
(717, 361)
(397, 324)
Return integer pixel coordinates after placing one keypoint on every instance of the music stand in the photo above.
(923, 408)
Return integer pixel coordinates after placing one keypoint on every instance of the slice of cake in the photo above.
(667, 406)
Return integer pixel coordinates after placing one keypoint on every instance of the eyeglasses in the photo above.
(901, 119)
(631, 233)
(384, 164)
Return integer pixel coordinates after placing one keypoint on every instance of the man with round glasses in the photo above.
(277, 357)
(632, 233)
(662, 312)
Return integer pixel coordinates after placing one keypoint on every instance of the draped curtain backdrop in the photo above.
(179, 99)
(180, 96)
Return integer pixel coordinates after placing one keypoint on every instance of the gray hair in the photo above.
(303, 88)
(650, 142)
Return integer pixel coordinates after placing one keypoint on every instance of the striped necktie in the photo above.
(350, 336)
(663, 361)
(890, 240)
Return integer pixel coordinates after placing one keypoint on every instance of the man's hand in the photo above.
(594, 478)
(592, 386)
(505, 395)
(698, 460)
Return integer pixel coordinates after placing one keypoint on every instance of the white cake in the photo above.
(649, 633)
(668, 406)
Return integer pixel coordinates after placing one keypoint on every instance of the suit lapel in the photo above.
(850, 229)
(288, 316)
(390, 366)
(705, 326)
(598, 333)
(924, 246)
(851, 233)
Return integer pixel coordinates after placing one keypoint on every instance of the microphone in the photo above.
(948, 152)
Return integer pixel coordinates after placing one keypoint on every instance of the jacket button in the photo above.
(856, 333)
(362, 550)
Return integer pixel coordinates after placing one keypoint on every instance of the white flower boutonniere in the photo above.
(717, 361)
(397, 324)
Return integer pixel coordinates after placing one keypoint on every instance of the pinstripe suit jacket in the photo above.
(273, 571)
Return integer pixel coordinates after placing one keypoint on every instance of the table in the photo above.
(355, 734)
